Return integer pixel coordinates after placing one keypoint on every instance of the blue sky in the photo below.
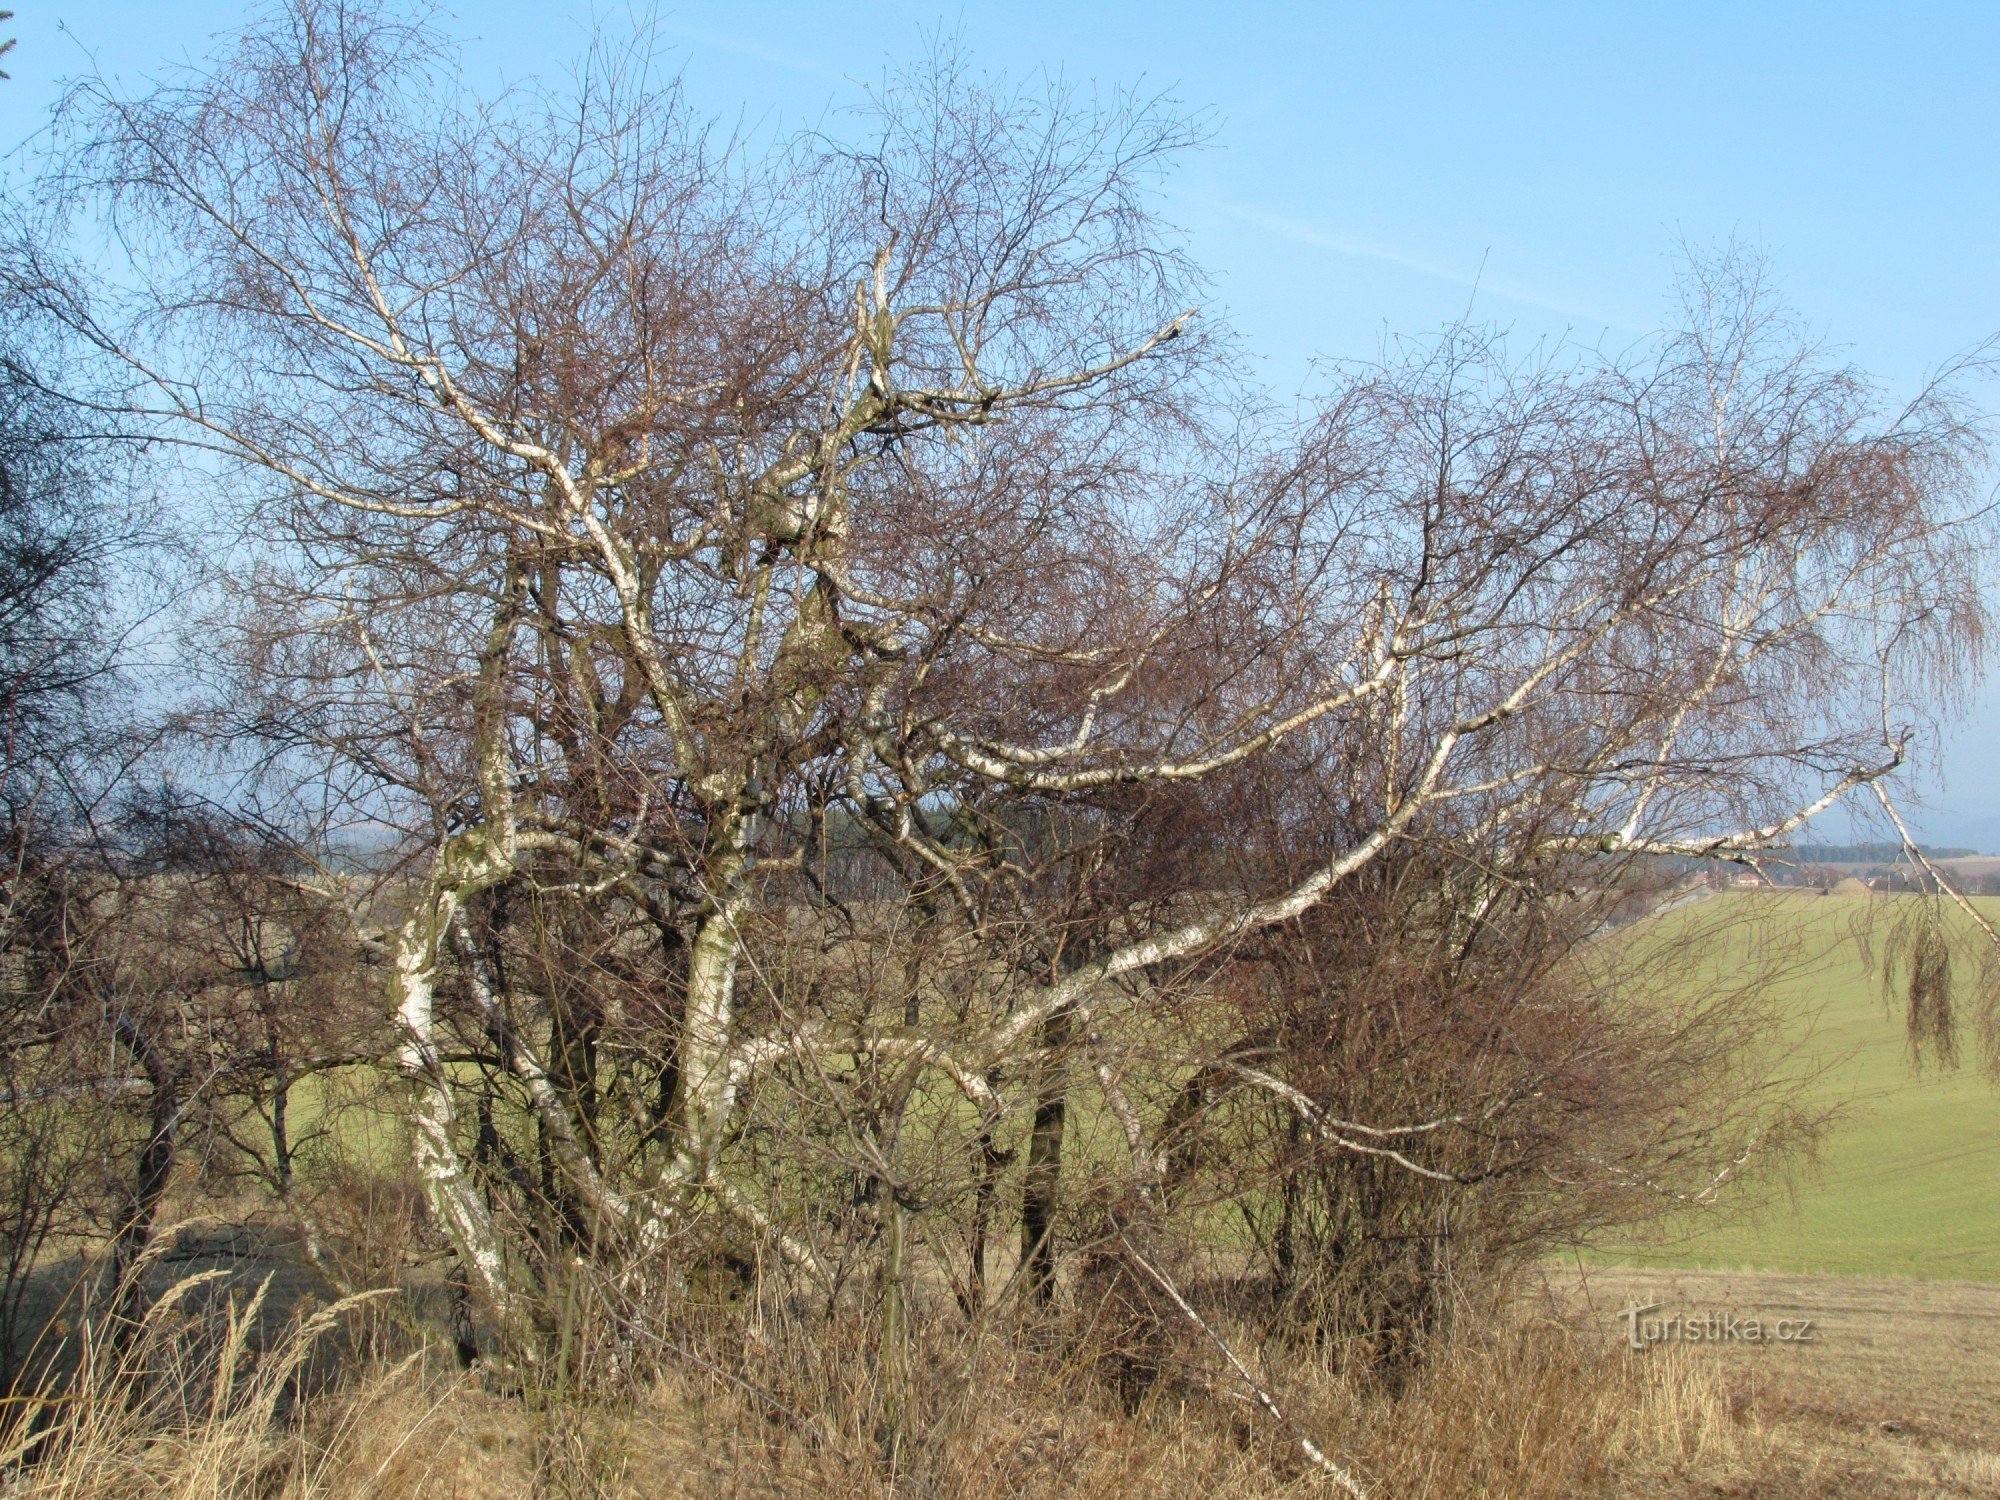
(1383, 168)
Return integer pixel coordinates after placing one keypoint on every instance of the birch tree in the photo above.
(789, 609)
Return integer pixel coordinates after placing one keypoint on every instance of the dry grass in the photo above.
(1898, 1392)
(187, 1404)
(197, 1410)
(1539, 1400)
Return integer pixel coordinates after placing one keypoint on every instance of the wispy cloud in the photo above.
(790, 61)
(1299, 232)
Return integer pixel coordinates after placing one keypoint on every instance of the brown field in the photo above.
(1898, 1392)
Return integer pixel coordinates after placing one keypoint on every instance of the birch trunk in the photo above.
(449, 1189)
(1043, 1177)
(708, 1092)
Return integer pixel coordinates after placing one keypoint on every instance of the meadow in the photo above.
(1907, 1178)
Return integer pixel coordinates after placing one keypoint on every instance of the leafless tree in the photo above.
(785, 614)
(67, 529)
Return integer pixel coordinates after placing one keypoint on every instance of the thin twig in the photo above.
(1339, 1474)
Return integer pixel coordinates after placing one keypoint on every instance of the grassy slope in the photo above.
(1908, 1183)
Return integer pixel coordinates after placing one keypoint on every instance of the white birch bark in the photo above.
(449, 1190)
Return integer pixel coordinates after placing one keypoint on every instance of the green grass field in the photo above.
(1908, 1179)
(1907, 1182)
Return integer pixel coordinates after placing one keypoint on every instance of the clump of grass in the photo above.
(183, 1401)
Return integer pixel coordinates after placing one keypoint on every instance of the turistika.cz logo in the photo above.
(1642, 1331)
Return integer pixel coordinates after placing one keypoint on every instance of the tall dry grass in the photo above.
(192, 1401)
(212, 1402)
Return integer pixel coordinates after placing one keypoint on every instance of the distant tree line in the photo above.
(1875, 853)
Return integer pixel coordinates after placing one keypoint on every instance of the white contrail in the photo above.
(1300, 232)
